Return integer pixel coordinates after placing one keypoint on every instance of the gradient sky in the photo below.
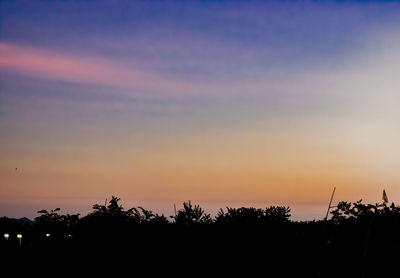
(225, 103)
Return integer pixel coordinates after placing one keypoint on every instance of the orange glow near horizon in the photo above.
(254, 172)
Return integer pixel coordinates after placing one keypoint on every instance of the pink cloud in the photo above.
(49, 65)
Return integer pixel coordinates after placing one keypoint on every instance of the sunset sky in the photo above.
(225, 103)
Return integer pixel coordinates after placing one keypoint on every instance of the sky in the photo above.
(224, 103)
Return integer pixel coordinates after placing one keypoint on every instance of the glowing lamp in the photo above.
(6, 236)
(19, 236)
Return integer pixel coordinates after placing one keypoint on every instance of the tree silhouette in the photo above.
(241, 216)
(192, 215)
(115, 213)
(277, 214)
(253, 216)
(347, 211)
(54, 218)
(140, 215)
(113, 209)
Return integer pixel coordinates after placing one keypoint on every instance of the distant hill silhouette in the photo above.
(23, 220)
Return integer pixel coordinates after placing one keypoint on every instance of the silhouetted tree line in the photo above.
(358, 240)
(114, 214)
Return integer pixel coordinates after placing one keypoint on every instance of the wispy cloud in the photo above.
(48, 65)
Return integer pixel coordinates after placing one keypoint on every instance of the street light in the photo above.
(19, 236)
(47, 235)
(6, 236)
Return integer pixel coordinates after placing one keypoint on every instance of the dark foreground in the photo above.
(362, 243)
